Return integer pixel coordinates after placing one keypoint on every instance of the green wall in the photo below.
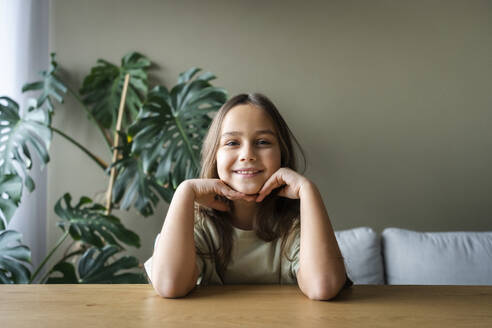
(391, 100)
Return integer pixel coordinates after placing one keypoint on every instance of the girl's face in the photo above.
(249, 152)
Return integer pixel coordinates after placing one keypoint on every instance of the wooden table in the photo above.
(243, 306)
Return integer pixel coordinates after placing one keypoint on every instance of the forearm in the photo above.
(321, 269)
(173, 263)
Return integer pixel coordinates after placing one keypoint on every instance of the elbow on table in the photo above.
(323, 290)
(171, 290)
(322, 294)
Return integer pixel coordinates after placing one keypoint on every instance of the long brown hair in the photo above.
(278, 217)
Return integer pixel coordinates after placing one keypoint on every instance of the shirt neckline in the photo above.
(244, 233)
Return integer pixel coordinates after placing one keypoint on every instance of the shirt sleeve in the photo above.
(294, 255)
(204, 245)
(148, 263)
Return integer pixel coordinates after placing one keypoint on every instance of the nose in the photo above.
(247, 153)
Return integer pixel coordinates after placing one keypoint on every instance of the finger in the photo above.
(272, 183)
(230, 193)
(283, 192)
(224, 198)
(220, 206)
(249, 198)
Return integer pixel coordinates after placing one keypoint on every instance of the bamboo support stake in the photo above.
(115, 144)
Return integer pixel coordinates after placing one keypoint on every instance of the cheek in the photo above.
(274, 159)
(223, 164)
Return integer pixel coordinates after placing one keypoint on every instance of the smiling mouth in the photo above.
(248, 173)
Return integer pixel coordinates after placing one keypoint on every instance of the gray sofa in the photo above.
(404, 257)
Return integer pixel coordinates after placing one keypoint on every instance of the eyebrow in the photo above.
(237, 133)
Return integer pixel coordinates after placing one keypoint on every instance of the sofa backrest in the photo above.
(437, 258)
(361, 249)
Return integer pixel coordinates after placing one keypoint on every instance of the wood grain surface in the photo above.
(244, 306)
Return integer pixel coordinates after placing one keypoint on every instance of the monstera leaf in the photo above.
(102, 88)
(17, 130)
(135, 186)
(10, 194)
(92, 269)
(51, 87)
(171, 126)
(89, 224)
(13, 259)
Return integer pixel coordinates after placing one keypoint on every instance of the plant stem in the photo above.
(99, 161)
(69, 248)
(60, 241)
(66, 257)
(106, 137)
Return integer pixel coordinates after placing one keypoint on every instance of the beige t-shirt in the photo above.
(253, 261)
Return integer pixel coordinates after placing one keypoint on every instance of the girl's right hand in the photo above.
(212, 193)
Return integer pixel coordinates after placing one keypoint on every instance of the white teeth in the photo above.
(247, 172)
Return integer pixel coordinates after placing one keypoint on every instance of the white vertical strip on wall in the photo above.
(24, 51)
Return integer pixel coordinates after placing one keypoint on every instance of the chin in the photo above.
(248, 190)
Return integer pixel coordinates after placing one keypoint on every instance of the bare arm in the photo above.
(321, 272)
(174, 270)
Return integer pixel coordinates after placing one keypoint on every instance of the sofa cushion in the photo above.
(437, 258)
(361, 249)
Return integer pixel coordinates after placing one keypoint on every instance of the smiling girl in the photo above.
(250, 217)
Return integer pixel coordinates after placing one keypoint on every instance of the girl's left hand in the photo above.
(290, 179)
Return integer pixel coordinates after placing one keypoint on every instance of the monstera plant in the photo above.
(161, 136)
